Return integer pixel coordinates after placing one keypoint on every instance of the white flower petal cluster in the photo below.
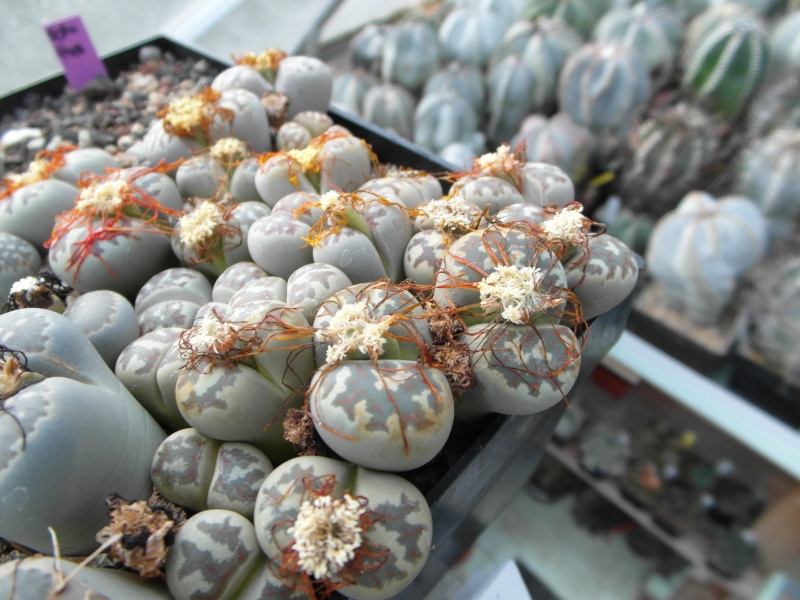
(105, 196)
(352, 328)
(37, 170)
(566, 226)
(307, 158)
(228, 150)
(212, 335)
(494, 161)
(23, 286)
(186, 113)
(330, 200)
(449, 214)
(201, 224)
(327, 534)
(515, 292)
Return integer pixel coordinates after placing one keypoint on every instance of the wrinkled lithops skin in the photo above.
(137, 368)
(234, 278)
(241, 77)
(18, 258)
(307, 81)
(601, 275)
(214, 553)
(199, 177)
(474, 256)
(242, 185)
(260, 290)
(159, 145)
(381, 301)
(405, 529)
(389, 415)
(279, 176)
(170, 313)
(423, 253)
(312, 284)
(547, 184)
(197, 472)
(520, 369)
(488, 191)
(35, 577)
(122, 264)
(178, 283)
(107, 320)
(82, 160)
(276, 244)
(30, 212)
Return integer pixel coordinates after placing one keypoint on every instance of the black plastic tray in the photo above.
(487, 464)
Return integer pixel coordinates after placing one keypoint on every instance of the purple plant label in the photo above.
(75, 51)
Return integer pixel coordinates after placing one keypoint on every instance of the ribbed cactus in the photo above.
(602, 86)
(410, 54)
(769, 174)
(470, 36)
(775, 106)
(581, 15)
(544, 45)
(557, 141)
(463, 80)
(655, 33)
(349, 90)
(366, 48)
(441, 119)
(785, 42)
(725, 57)
(699, 252)
(391, 107)
(670, 149)
(513, 92)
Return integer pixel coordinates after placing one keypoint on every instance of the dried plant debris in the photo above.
(144, 530)
(299, 431)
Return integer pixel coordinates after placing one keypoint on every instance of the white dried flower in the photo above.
(352, 328)
(307, 158)
(197, 227)
(228, 150)
(566, 226)
(515, 292)
(449, 214)
(330, 200)
(38, 170)
(23, 286)
(327, 533)
(212, 335)
(104, 197)
(494, 161)
(186, 114)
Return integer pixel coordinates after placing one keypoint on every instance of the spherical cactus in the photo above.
(785, 42)
(544, 45)
(350, 89)
(670, 149)
(774, 106)
(391, 107)
(463, 80)
(603, 86)
(557, 141)
(725, 57)
(410, 54)
(698, 252)
(470, 36)
(441, 119)
(18, 259)
(366, 48)
(580, 15)
(769, 174)
(514, 92)
(655, 33)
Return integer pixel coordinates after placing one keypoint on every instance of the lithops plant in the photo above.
(774, 106)
(208, 175)
(769, 174)
(602, 86)
(66, 419)
(784, 44)
(198, 473)
(469, 36)
(556, 141)
(171, 298)
(18, 259)
(380, 528)
(670, 149)
(654, 32)
(410, 54)
(699, 252)
(544, 45)
(115, 236)
(725, 57)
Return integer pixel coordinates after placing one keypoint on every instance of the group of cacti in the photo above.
(265, 324)
(649, 104)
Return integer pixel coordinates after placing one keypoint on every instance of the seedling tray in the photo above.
(484, 464)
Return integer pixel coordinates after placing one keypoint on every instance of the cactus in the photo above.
(410, 54)
(18, 259)
(514, 92)
(725, 57)
(544, 45)
(655, 33)
(463, 80)
(350, 89)
(784, 42)
(391, 107)
(580, 15)
(557, 141)
(444, 118)
(470, 36)
(670, 149)
(698, 253)
(769, 174)
(603, 86)
(774, 106)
